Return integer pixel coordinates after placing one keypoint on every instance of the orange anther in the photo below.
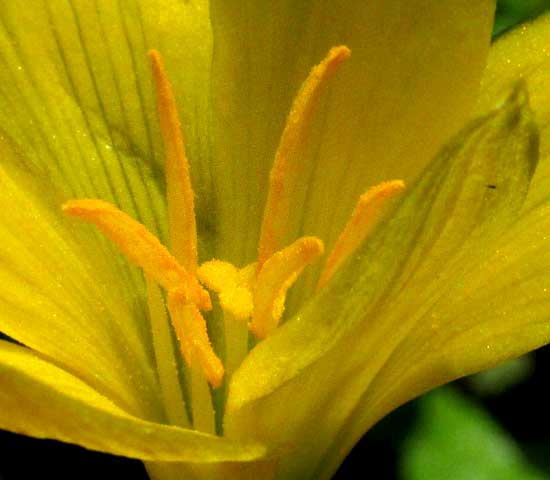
(362, 221)
(190, 328)
(283, 173)
(179, 191)
(276, 276)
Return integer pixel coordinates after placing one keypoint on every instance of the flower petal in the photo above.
(77, 101)
(76, 75)
(523, 54)
(51, 403)
(369, 342)
(407, 87)
(58, 301)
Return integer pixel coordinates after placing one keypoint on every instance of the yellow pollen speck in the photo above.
(360, 225)
(282, 174)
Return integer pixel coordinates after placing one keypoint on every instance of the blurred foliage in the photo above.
(497, 380)
(512, 12)
(456, 439)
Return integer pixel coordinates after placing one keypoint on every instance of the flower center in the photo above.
(253, 295)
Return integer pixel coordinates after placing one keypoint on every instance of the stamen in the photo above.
(283, 172)
(192, 334)
(140, 246)
(179, 191)
(360, 225)
(231, 283)
(277, 275)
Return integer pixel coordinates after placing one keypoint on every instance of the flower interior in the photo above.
(252, 297)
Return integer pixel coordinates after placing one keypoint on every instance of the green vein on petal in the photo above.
(362, 332)
(53, 403)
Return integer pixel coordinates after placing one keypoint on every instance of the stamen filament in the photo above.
(256, 292)
(179, 191)
(236, 342)
(360, 225)
(277, 275)
(165, 357)
(284, 172)
(183, 235)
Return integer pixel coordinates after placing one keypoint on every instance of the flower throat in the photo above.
(252, 297)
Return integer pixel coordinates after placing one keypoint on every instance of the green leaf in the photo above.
(499, 379)
(511, 12)
(455, 439)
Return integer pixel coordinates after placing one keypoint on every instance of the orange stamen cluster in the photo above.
(256, 292)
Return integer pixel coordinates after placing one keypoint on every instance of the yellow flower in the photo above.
(451, 281)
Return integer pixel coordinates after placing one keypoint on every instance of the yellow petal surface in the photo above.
(77, 101)
(523, 55)
(42, 400)
(78, 73)
(57, 301)
(418, 304)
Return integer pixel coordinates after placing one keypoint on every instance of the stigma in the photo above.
(254, 294)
